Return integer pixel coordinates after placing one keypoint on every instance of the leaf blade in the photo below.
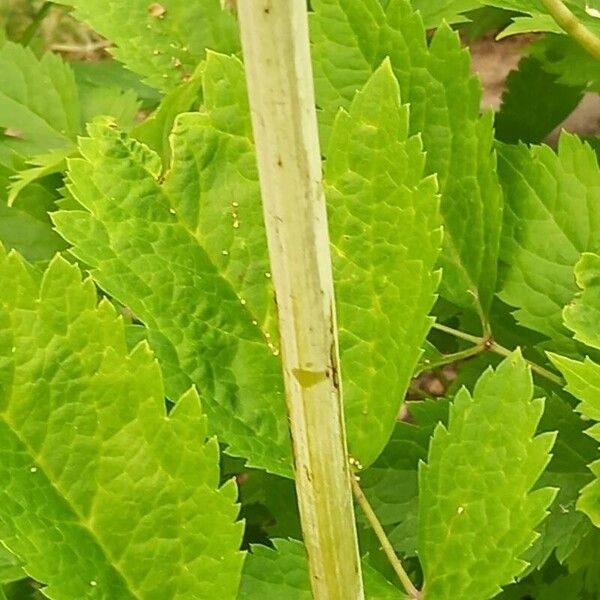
(201, 316)
(161, 45)
(444, 99)
(477, 514)
(65, 373)
(551, 218)
(282, 573)
(385, 236)
(583, 381)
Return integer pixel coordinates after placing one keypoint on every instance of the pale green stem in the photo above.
(278, 70)
(573, 26)
(489, 344)
(449, 359)
(498, 349)
(386, 545)
(458, 334)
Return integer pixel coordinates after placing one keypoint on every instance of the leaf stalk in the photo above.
(483, 344)
(366, 507)
(567, 21)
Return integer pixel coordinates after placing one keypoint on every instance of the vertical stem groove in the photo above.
(280, 88)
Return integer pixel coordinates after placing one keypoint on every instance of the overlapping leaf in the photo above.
(391, 483)
(552, 216)
(477, 515)
(385, 236)
(282, 572)
(565, 527)
(25, 226)
(582, 314)
(566, 60)
(10, 567)
(102, 494)
(173, 254)
(534, 103)
(42, 111)
(162, 41)
(538, 18)
(39, 103)
(436, 12)
(217, 327)
(156, 129)
(350, 38)
(583, 381)
(108, 73)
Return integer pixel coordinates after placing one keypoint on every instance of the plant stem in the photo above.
(489, 344)
(411, 590)
(448, 359)
(459, 334)
(498, 349)
(573, 26)
(280, 88)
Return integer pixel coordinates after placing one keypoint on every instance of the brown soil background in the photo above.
(493, 61)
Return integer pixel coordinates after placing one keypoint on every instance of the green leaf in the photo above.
(36, 168)
(213, 191)
(583, 381)
(11, 568)
(282, 572)
(156, 129)
(350, 38)
(582, 314)
(196, 274)
(391, 483)
(435, 12)
(43, 109)
(38, 101)
(171, 253)
(162, 41)
(584, 561)
(110, 73)
(102, 493)
(552, 583)
(523, 6)
(477, 515)
(385, 237)
(278, 496)
(122, 105)
(538, 23)
(539, 20)
(564, 58)
(565, 527)
(25, 226)
(533, 104)
(552, 216)
(573, 449)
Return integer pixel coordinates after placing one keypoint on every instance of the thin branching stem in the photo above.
(502, 351)
(448, 359)
(459, 334)
(364, 504)
(567, 21)
(482, 344)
